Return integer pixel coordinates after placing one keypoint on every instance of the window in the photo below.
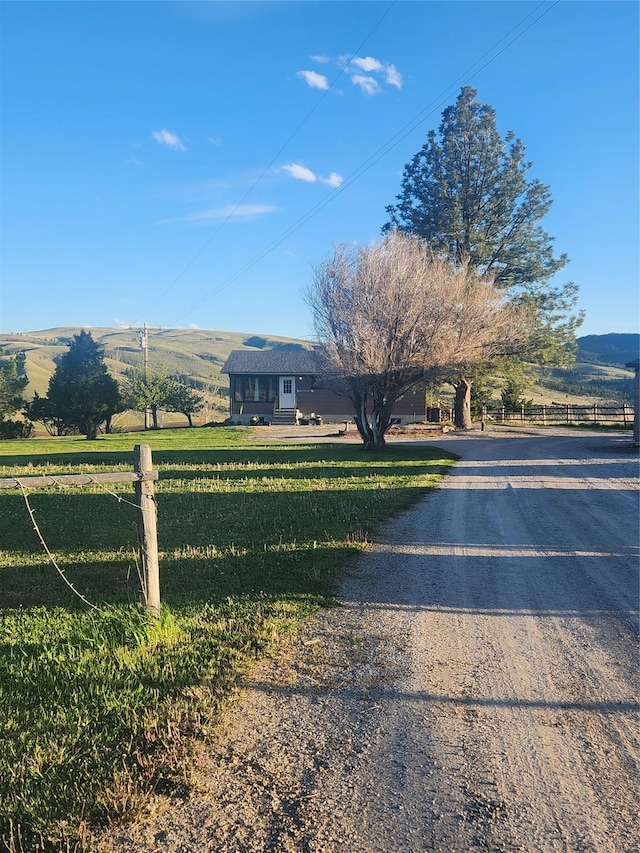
(287, 386)
(249, 388)
(254, 389)
(267, 389)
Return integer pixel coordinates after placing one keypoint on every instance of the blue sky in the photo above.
(187, 164)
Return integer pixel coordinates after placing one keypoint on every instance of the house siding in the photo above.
(311, 395)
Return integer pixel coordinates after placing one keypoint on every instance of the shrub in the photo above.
(15, 429)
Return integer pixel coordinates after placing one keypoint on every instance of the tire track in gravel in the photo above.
(477, 691)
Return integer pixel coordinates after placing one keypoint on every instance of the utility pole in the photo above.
(144, 344)
(143, 340)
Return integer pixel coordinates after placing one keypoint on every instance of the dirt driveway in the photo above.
(477, 691)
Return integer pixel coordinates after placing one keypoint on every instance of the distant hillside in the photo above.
(196, 354)
(614, 349)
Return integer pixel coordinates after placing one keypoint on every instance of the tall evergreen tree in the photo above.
(13, 381)
(81, 392)
(466, 193)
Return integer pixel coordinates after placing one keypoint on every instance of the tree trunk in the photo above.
(362, 421)
(462, 412)
(377, 432)
(372, 427)
(366, 424)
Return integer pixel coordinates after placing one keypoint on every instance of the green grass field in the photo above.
(99, 706)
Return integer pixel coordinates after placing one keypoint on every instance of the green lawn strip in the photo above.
(98, 707)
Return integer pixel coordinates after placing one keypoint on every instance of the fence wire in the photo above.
(60, 571)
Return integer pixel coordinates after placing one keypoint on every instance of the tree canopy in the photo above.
(467, 194)
(393, 315)
(184, 399)
(154, 388)
(13, 381)
(81, 393)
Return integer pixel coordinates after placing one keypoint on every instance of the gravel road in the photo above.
(476, 692)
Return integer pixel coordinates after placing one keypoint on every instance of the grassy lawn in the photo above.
(98, 706)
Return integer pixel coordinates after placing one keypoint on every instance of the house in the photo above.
(283, 386)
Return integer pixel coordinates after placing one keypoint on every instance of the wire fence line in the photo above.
(142, 478)
(65, 480)
(52, 559)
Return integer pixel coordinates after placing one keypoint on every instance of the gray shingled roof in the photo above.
(276, 361)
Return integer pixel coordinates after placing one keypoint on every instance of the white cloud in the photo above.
(371, 74)
(171, 140)
(215, 140)
(334, 179)
(367, 63)
(215, 214)
(301, 173)
(369, 85)
(394, 77)
(314, 80)
(133, 161)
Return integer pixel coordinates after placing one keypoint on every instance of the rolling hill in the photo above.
(198, 355)
(195, 354)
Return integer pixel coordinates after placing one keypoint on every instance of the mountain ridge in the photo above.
(614, 348)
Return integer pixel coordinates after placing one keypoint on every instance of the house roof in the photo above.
(277, 361)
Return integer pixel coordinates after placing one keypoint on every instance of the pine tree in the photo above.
(13, 381)
(466, 193)
(81, 392)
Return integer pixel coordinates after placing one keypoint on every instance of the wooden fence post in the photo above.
(147, 528)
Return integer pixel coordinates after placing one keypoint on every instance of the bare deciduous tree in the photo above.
(392, 315)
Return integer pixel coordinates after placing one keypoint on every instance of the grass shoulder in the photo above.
(98, 707)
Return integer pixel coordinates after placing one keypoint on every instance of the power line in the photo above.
(377, 155)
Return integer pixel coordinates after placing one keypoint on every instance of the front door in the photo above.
(287, 392)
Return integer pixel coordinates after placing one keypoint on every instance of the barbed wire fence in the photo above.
(143, 477)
